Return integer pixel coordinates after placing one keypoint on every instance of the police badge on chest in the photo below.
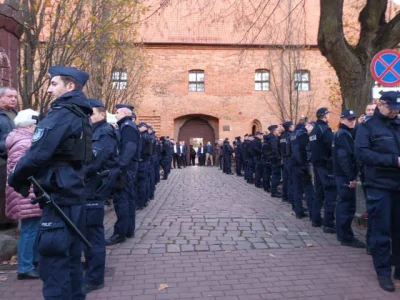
(38, 134)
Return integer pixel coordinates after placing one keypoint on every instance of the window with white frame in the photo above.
(196, 81)
(261, 80)
(119, 79)
(302, 80)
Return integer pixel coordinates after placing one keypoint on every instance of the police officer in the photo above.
(144, 166)
(301, 172)
(284, 146)
(250, 159)
(245, 156)
(99, 176)
(124, 198)
(157, 160)
(153, 158)
(257, 152)
(238, 156)
(377, 146)
(266, 164)
(227, 153)
(61, 143)
(275, 159)
(321, 139)
(164, 157)
(345, 171)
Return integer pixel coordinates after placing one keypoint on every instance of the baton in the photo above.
(47, 200)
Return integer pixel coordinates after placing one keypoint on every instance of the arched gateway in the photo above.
(196, 129)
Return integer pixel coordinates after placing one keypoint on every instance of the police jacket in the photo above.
(273, 153)
(164, 151)
(129, 146)
(236, 151)
(147, 146)
(299, 141)
(240, 147)
(344, 160)
(6, 126)
(61, 143)
(256, 148)
(246, 144)
(321, 138)
(264, 148)
(377, 146)
(228, 150)
(101, 173)
(284, 145)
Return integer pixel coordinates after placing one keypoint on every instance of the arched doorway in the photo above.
(255, 126)
(196, 130)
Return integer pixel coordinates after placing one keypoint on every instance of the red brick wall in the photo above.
(229, 86)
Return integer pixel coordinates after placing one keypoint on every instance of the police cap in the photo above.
(322, 112)
(300, 126)
(287, 124)
(272, 127)
(258, 133)
(348, 114)
(96, 103)
(238, 137)
(80, 76)
(142, 124)
(392, 99)
(118, 106)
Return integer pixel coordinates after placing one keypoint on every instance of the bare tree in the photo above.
(351, 62)
(95, 35)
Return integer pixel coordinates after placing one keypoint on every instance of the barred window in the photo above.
(302, 80)
(119, 79)
(196, 81)
(261, 80)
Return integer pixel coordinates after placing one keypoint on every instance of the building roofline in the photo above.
(222, 45)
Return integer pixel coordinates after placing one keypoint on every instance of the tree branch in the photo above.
(389, 35)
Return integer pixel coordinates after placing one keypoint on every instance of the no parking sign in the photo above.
(385, 68)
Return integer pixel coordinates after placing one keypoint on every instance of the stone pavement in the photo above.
(208, 235)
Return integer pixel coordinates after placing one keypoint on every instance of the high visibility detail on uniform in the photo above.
(38, 134)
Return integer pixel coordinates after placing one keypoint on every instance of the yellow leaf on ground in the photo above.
(162, 286)
(309, 245)
(228, 251)
(3, 278)
(271, 255)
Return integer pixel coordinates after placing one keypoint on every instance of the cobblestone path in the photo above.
(208, 235)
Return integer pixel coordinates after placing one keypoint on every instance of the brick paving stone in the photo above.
(212, 236)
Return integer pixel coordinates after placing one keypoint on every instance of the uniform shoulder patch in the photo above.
(38, 134)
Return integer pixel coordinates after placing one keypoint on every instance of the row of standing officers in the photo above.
(322, 166)
(81, 162)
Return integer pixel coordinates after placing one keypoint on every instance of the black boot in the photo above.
(329, 229)
(276, 195)
(34, 274)
(115, 239)
(87, 288)
(397, 273)
(301, 215)
(354, 244)
(386, 283)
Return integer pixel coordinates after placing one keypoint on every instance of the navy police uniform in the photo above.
(125, 196)
(61, 143)
(164, 157)
(321, 138)
(345, 171)
(257, 153)
(284, 145)
(239, 156)
(100, 176)
(144, 167)
(377, 146)
(266, 164)
(275, 158)
(227, 153)
(301, 171)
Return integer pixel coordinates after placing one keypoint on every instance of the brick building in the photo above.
(212, 78)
